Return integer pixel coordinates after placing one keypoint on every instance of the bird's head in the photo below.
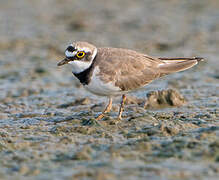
(80, 55)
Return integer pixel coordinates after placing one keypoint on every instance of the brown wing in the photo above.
(130, 70)
(126, 68)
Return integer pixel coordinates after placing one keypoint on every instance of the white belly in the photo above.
(98, 87)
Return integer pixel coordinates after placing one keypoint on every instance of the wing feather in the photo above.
(127, 69)
(130, 70)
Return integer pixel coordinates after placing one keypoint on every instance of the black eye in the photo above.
(80, 54)
(70, 49)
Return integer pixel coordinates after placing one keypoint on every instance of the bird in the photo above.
(110, 72)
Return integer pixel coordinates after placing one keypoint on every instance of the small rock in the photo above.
(164, 98)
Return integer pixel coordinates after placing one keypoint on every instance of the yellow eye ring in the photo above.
(80, 54)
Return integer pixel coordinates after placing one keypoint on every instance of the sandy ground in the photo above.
(46, 123)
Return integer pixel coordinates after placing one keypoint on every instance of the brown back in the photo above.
(130, 70)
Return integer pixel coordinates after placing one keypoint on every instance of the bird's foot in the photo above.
(100, 117)
(107, 109)
(121, 109)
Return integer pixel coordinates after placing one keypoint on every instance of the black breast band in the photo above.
(85, 76)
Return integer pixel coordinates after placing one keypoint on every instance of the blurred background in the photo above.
(33, 37)
(34, 34)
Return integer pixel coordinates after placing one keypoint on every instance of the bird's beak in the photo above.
(64, 61)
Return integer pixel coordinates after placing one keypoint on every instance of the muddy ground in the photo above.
(46, 121)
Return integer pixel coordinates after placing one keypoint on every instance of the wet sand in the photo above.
(47, 127)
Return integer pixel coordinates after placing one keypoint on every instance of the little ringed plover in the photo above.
(114, 71)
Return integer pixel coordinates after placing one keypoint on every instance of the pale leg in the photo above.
(106, 110)
(121, 109)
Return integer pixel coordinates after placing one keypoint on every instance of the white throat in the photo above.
(80, 66)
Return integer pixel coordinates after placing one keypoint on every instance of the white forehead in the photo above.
(85, 49)
(78, 48)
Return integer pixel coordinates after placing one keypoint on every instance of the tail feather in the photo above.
(182, 58)
(171, 65)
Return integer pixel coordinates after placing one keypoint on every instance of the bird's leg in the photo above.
(106, 110)
(121, 109)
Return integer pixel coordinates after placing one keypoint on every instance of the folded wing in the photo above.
(130, 70)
